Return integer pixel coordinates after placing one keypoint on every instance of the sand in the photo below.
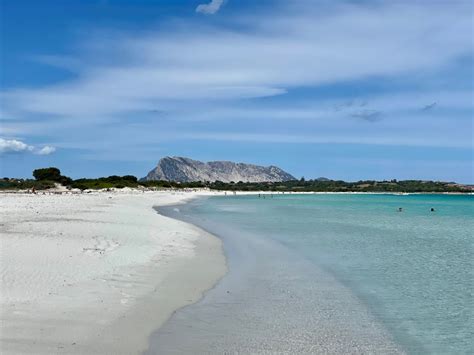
(97, 273)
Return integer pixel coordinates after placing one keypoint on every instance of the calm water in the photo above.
(333, 273)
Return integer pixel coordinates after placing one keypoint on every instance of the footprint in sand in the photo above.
(101, 246)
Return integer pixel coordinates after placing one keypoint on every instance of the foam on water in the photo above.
(332, 274)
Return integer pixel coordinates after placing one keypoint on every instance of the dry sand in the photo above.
(97, 273)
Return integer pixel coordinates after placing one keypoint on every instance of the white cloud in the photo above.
(46, 150)
(189, 71)
(16, 146)
(210, 8)
(271, 56)
(274, 55)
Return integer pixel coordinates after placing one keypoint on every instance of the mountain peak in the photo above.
(182, 169)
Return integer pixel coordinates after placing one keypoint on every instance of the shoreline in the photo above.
(98, 273)
(251, 259)
(210, 192)
(234, 305)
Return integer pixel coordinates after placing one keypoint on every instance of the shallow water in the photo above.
(332, 274)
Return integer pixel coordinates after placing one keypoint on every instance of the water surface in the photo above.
(332, 274)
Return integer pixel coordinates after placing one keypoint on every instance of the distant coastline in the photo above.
(294, 186)
(204, 191)
(51, 178)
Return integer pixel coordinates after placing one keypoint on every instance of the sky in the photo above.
(347, 90)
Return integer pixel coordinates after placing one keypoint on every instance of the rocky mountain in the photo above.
(186, 170)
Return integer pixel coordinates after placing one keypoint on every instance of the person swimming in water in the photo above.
(400, 209)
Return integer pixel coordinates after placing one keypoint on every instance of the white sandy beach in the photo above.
(97, 273)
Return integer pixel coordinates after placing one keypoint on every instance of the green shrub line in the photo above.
(46, 178)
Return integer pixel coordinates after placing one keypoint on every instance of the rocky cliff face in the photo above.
(186, 170)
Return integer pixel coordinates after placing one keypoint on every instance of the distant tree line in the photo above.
(343, 186)
(47, 178)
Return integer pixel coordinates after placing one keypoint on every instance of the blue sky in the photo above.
(344, 89)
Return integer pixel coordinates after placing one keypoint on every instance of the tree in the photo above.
(52, 174)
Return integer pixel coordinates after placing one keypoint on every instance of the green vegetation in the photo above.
(47, 177)
(323, 185)
(24, 184)
(51, 174)
(113, 181)
(172, 184)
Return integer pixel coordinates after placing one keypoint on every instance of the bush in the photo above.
(20, 184)
(65, 181)
(129, 178)
(80, 186)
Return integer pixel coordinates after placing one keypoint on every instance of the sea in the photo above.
(332, 274)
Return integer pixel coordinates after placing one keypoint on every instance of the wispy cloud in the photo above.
(368, 115)
(428, 107)
(311, 139)
(232, 73)
(46, 150)
(210, 8)
(274, 54)
(17, 146)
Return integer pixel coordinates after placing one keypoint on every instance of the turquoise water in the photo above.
(406, 276)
